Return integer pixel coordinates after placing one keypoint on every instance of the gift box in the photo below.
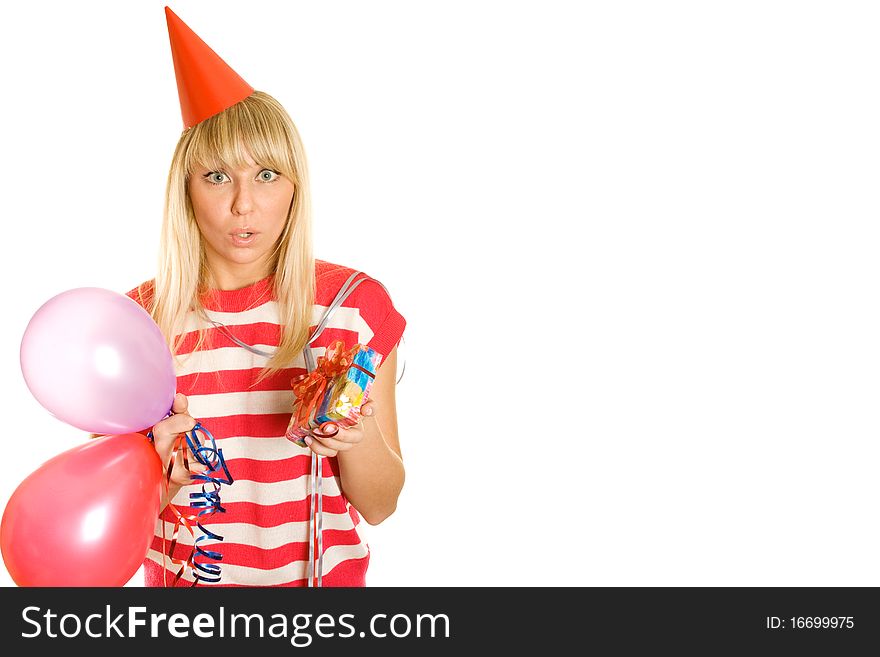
(334, 391)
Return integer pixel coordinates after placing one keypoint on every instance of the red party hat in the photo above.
(205, 83)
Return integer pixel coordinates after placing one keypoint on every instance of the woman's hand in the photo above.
(165, 434)
(346, 438)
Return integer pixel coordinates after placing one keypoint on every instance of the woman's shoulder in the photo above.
(330, 277)
(330, 271)
(143, 293)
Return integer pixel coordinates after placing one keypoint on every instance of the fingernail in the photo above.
(369, 410)
(308, 440)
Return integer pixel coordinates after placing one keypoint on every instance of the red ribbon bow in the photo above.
(310, 388)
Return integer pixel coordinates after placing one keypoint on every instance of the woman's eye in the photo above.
(218, 177)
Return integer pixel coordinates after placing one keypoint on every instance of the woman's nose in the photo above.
(242, 202)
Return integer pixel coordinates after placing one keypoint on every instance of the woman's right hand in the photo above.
(165, 434)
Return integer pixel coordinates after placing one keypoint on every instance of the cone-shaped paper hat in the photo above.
(205, 83)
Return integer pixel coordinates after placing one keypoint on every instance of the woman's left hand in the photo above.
(329, 444)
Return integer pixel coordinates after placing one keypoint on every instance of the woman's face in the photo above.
(227, 204)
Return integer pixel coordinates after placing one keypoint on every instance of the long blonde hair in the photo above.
(260, 127)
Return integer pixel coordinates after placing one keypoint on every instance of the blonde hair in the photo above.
(260, 127)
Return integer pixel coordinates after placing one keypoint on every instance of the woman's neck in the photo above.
(229, 279)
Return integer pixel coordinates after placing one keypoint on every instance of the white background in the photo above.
(635, 243)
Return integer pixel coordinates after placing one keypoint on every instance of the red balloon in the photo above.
(85, 517)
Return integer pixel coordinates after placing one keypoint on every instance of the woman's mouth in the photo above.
(243, 238)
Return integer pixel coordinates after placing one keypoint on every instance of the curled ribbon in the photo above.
(207, 501)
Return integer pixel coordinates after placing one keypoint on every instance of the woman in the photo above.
(237, 294)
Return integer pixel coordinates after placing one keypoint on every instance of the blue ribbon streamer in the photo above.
(207, 500)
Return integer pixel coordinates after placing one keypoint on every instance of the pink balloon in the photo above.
(85, 517)
(96, 360)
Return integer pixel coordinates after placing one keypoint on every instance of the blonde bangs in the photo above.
(251, 128)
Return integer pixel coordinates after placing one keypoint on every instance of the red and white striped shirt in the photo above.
(265, 527)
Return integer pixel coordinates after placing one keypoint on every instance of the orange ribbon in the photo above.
(182, 520)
